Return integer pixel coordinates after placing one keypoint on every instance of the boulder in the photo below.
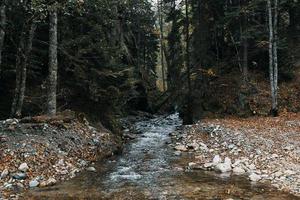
(223, 167)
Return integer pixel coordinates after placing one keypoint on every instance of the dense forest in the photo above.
(136, 55)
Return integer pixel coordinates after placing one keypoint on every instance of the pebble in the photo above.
(238, 170)
(20, 176)
(33, 183)
(91, 169)
(180, 148)
(4, 173)
(23, 167)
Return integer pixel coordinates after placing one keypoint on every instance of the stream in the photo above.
(150, 169)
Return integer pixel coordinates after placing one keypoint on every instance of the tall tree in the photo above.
(189, 111)
(23, 53)
(273, 60)
(2, 29)
(52, 77)
(161, 38)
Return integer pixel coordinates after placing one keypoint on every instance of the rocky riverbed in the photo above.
(262, 149)
(42, 153)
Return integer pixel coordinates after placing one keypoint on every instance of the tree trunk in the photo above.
(52, 78)
(189, 110)
(275, 62)
(245, 60)
(23, 54)
(159, 4)
(273, 72)
(2, 30)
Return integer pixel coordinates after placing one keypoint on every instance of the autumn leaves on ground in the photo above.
(263, 149)
(41, 151)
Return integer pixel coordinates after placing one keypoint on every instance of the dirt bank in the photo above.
(262, 149)
(40, 152)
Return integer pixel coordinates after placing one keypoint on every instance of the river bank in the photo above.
(41, 151)
(263, 149)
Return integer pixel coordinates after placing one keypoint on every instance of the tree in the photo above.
(162, 55)
(189, 109)
(23, 53)
(273, 60)
(2, 28)
(52, 77)
(22, 56)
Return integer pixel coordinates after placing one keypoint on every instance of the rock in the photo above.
(238, 170)
(23, 167)
(278, 174)
(49, 182)
(177, 153)
(223, 167)
(289, 148)
(208, 165)
(289, 172)
(217, 159)
(33, 183)
(91, 169)
(194, 146)
(254, 177)
(194, 166)
(227, 161)
(180, 148)
(4, 173)
(20, 176)
(251, 167)
(203, 147)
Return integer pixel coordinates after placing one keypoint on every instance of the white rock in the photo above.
(223, 167)
(91, 169)
(181, 148)
(208, 165)
(289, 172)
(217, 159)
(4, 173)
(278, 174)
(254, 177)
(227, 161)
(238, 170)
(33, 183)
(23, 167)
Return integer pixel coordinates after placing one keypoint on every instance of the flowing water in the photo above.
(149, 169)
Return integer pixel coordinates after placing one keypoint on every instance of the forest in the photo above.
(81, 80)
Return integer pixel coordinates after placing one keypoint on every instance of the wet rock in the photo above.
(195, 166)
(19, 176)
(33, 183)
(208, 165)
(23, 167)
(254, 177)
(180, 148)
(4, 173)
